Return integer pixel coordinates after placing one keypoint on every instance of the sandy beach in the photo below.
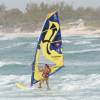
(64, 32)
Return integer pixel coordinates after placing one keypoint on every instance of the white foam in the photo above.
(80, 82)
(59, 87)
(66, 41)
(37, 98)
(82, 51)
(82, 42)
(74, 83)
(92, 35)
(95, 45)
(81, 63)
(70, 87)
(5, 79)
(15, 45)
(2, 63)
(7, 37)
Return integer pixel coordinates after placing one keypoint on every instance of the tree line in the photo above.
(33, 16)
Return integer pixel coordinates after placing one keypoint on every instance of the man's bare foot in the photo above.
(48, 88)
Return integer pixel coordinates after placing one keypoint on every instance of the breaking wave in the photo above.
(82, 51)
(3, 63)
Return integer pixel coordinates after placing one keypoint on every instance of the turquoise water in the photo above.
(78, 80)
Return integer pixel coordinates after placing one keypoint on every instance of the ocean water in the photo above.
(78, 80)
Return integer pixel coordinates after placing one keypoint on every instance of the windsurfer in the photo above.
(46, 71)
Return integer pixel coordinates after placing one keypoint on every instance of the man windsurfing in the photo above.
(46, 71)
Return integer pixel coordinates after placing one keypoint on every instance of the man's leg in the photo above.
(40, 82)
(47, 83)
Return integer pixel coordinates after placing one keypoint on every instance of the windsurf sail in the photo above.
(50, 45)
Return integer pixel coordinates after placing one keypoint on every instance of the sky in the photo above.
(21, 4)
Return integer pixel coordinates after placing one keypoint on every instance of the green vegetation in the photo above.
(34, 15)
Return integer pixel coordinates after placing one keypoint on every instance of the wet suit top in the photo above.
(46, 72)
